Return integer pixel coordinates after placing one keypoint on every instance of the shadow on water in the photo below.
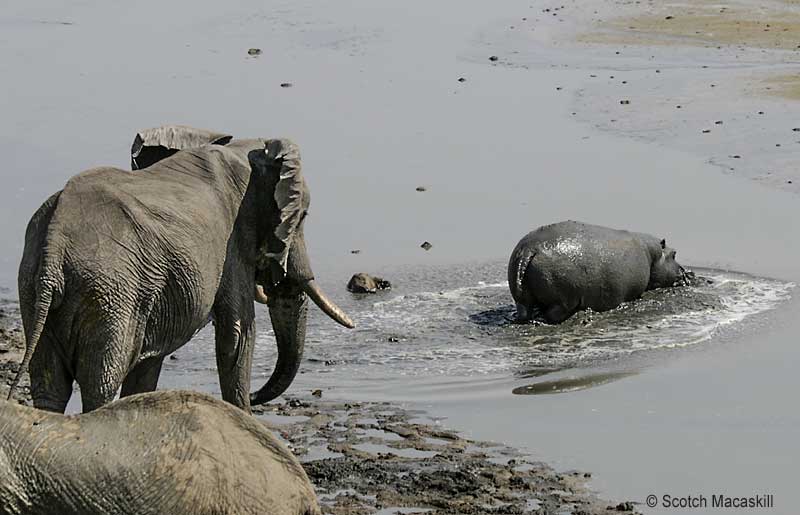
(570, 384)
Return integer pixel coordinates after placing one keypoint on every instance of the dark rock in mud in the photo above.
(365, 283)
(493, 58)
(286, 84)
(421, 188)
(426, 245)
(254, 52)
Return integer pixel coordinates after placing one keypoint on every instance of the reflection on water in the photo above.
(570, 384)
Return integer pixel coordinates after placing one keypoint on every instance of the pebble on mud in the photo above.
(426, 245)
(355, 251)
(421, 188)
(462, 79)
(286, 84)
(317, 393)
(493, 58)
(624, 102)
(254, 51)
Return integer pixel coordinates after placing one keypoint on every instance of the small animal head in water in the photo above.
(665, 271)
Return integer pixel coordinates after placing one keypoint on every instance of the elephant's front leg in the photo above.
(235, 338)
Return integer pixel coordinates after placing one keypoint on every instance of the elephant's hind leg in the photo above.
(143, 378)
(51, 380)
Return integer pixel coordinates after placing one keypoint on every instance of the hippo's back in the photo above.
(578, 265)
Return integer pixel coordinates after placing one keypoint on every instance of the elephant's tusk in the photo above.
(326, 305)
(260, 296)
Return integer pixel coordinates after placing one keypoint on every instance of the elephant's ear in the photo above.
(291, 200)
(152, 145)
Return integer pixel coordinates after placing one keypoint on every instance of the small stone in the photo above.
(493, 58)
(706, 131)
(718, 122)
(317, 393)
(355, 251)
(422, 188)
(624, 102)
(286, 84)
(677, 107)
(788, 182)
(393, 339)
(736, 156)
(426, 245)
(668, 17)
(462, 79)
(796, 129)
(173, 357)
(558, 88)
(761, 112)
(254, 51)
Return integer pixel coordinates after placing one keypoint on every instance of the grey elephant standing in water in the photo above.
(570, 266)
(163, 452)
(120, 269)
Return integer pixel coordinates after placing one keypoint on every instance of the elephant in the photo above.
(569, 266)
(120, 269)
(160, 452)
(365, 283)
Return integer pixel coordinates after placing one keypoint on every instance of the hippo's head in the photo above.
(665, 271)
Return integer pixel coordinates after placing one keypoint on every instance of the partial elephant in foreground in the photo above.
(163, 452)
(565, 267)
(120, 269)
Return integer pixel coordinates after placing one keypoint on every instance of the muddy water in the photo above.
(378, 110)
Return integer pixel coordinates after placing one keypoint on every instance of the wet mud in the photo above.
(379, 457)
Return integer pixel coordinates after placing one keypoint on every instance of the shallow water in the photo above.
(458, 322)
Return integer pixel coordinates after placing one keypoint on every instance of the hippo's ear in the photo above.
(663, 244)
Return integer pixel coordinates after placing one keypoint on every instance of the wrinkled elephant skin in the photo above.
(121, 268)
(174, 452)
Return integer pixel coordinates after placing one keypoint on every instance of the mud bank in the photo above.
(368, 457)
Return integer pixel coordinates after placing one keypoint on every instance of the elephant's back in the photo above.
(219, 459)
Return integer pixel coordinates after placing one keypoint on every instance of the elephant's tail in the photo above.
(44, 299)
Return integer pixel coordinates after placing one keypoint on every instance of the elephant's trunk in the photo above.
(288, 315)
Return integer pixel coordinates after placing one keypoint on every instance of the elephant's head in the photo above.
(152, 145)
(284, 273)
(664, 270)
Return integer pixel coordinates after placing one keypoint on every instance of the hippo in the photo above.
(365, 283)
(570, 266)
